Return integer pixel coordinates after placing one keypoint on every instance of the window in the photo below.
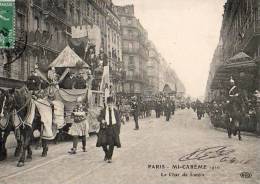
(36, 23)
(78, 17)
(65, 4)
(130, 33)
(129, 21)
(7, 70)
(71, 11)
(57, 34)
(88, 9)
(130, 46)
(47, 26)
(108, 34)
(131, 60)
(97, 18)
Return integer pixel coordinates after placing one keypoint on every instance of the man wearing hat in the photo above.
(108, 135)
(235, 106)
(135, 111)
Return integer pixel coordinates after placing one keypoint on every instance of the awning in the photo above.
(223, 73)
(240, 56)
(68, 59)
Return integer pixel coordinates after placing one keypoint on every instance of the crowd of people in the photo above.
(235, 111)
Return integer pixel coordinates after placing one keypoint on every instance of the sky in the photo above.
(185, 32)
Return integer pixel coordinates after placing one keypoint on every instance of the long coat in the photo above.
(109, 134)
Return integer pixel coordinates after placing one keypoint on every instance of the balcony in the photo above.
(131, 67)
(130, 50)
(116, 75)
(133, 24)
(136, 78)
(130, 37)
(52, 9)
(20, 34)
(45, 40)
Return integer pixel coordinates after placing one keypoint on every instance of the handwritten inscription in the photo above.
(208, 153)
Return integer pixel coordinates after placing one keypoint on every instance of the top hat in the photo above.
(110, 99)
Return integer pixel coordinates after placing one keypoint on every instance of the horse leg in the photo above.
(45, 147)
(26, 137)
(19, 143)
(29, 153)
(239, 133)
(1, 147)
(229, 130)
(234, 128)
(6, 134)
(22, 155)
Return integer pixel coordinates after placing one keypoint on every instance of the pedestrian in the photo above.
(157, 109)
(108, 135)
(167, 109)
(135, 112)
(173, 106)
(79, 128)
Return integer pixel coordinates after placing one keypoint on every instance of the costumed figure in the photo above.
(53, 80)
(80, 126)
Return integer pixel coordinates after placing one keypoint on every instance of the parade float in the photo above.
(68, 82)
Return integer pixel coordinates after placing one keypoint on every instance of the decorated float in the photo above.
(67, 82)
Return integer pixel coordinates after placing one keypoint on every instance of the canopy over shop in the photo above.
(243, 70)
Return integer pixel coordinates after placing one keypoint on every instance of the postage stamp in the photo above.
(7, 24)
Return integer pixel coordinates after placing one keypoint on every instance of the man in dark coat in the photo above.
(135, 112)
(108, 136)
(167, 109)
(157, 108)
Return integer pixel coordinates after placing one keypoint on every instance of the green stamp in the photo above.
(7, 23)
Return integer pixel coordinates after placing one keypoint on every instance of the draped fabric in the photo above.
(78, 45)
(68, 95)
(45, 111)
(58, 118)
(105, 78)
(4, 122)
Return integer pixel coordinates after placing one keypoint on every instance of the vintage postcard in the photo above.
(129, 92)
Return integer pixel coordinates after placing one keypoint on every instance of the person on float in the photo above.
(80, 126)
(108, 135)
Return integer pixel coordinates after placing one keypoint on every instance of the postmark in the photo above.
(7, 24)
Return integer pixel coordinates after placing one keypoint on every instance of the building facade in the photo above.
(238, 51)
(167, 76)
(237, 54)
(134, 50)
(44, 29)
(153, 69)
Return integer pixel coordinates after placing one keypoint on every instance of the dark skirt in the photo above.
(109, 136)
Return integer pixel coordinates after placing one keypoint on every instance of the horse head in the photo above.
(21, 97)
(6, 101)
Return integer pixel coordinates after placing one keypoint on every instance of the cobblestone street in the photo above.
(149, 155)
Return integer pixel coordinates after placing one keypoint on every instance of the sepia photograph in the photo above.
(129, 91)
